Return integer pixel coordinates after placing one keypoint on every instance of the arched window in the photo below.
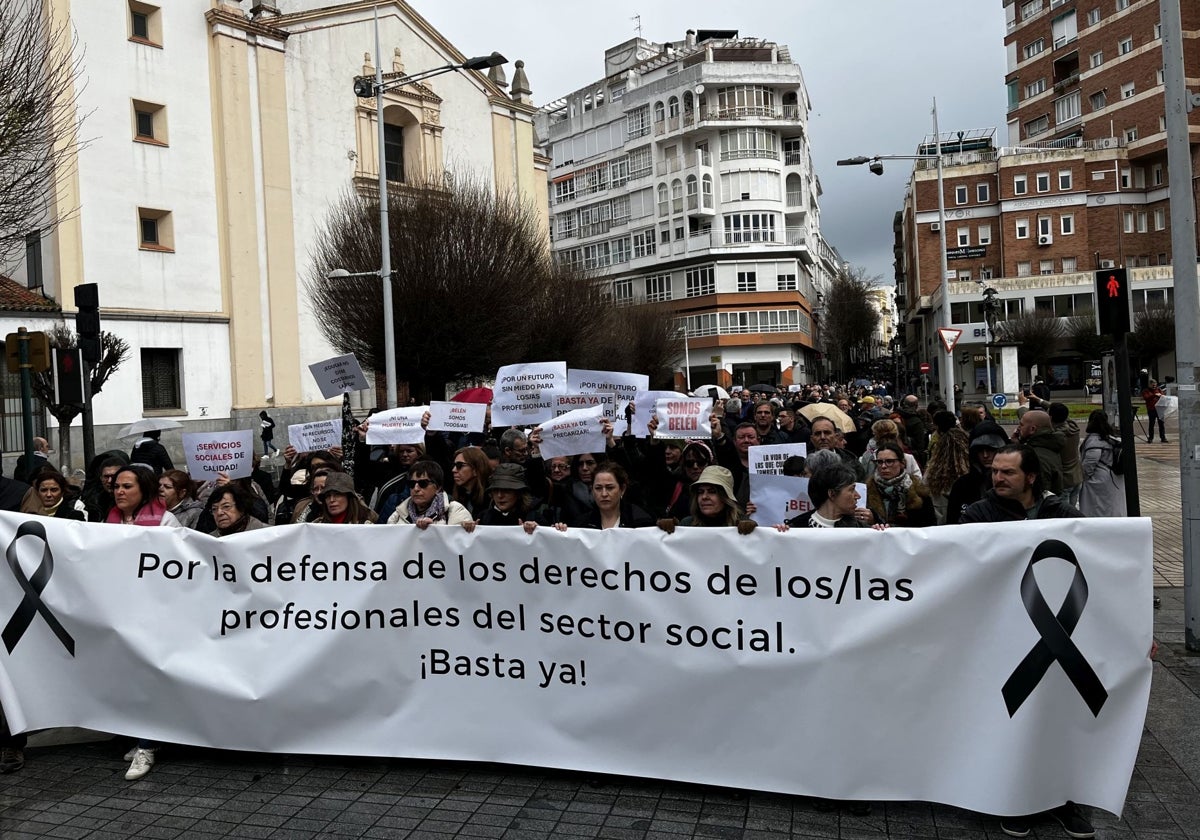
(664, 208)
(659, 112)
(706, 188)
(673, 106)
(795, 190)
(692, 197)
(689, 101)
(676, 196)
(587, 103)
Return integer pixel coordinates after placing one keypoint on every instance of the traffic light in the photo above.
(1112, 301)
(87, 321)
(68, 377)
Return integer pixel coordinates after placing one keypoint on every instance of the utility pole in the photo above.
(1179, 102)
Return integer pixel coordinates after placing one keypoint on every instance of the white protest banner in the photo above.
(397, 425)
(524, 394)
(456, 417)
(625, 385)
(778, 498)
(683, 418)
(338, 375)
(209, 453)
(768, 460)
(569, 402)
(904, 653)
(321, 434)
(643, 410)
(573, 433)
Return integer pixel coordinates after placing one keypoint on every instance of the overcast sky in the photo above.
(872, 67)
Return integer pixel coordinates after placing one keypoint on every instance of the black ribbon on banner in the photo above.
(1055, 630)
(32, 603)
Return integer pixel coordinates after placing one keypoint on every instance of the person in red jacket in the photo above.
(1151, 394)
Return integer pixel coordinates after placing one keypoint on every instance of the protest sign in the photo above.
(643, 410)
(524, 394)
(569, 402)
(573, 433)
(624, 385)
(768, 460)
(1167, 406)
(778, 498)
(397, 425)
(210, 453)
(904, 653)
(683, 418)
(456, 416)
(338, 375)
(321, 434)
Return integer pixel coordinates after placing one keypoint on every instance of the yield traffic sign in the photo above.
(949, 337)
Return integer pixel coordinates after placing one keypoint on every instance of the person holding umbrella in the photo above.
(147, 450)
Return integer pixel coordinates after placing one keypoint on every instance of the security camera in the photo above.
(876, 167)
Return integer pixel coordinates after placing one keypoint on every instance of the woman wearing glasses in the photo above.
(426, 503)
(230, 506)
(895, 496)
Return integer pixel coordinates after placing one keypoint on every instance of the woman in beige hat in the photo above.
(714, 504)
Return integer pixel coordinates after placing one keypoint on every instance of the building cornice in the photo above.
(224, 16)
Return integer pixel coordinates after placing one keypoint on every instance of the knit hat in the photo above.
(508, 477)
(717, 477)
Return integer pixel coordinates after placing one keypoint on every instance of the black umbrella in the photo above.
(763, 388)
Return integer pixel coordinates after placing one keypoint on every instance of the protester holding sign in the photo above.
(713, 504)
(426, 504)
(835, 498)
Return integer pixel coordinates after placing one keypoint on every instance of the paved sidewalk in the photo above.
(77, 790)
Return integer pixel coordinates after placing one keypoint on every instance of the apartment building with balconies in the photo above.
(683, 178)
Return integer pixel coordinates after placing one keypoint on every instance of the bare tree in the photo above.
(1153, 333)
(850, 317)
(474, 288)
(1081, 330)
(1035, 334)
(39, 64)
(114, 350)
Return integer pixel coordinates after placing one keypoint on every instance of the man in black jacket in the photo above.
(1017, 493)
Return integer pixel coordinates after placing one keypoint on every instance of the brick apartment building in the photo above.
(1079, 184)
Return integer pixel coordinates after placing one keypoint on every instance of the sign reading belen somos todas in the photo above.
(210, 453)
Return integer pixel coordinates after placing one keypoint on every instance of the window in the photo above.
(964, 237)
(622, 291)
(149, 122)
(786, 282)
(1125, 179)
(643, 243)
(793, 151)
(1043, 223)
(749, 143)
(393, 152)
(1097, 58)
(1156, 175)
(564, 190)
(620, 210)
(1093, 17)
(1024, 268)
(596, 255)
(1127, 219)
(1046, 267)
(1142, 221)
(160, 379)
(982, 193)
(1034, 88)
(1064, 179)
(1030, 9)
(1160, 219)
(664, 203)
(1122, 5)
(33, 260)
(1042, 179)
(1067, 108)
(985, 234)
(1157, 35)
(1159, 78)
(620, 250)
(749, 227)
(641, 163)
(1022, 228)
(746, 100)
(693, 199)
(145, 23)
(1034, 48)
(747, 281)
(1038, 125)
(1066, 224)
(658, 288)
(564, 225)
(1068, 265)
(155, 230)
(700, 281)
(1125, 45)
(960, 195)
(1020, 185)
(964, 276)
(1131, 134)
(1098, 99)
(618, 171)
(1128, 90)
(637, 122)
(677, 196)
(706, 189)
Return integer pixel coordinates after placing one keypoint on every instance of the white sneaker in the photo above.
(132, 751)
(143, 760)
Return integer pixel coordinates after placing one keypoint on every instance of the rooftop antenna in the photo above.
(637, 19)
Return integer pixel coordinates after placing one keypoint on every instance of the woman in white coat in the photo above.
(1103, 492)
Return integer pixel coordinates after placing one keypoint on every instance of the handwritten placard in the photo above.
(524, 394)
(624, 385)
(338, 375)
(456, 416)
(397, 425)
(643, 410)
(321, 434)
(569, 402)
(210, 453)
(768, 460)
(574, 433)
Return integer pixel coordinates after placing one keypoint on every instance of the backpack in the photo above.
(1118, 451)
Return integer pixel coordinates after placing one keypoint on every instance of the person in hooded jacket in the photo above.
(1037, 432)
(150, 452)
(986, 439)
(1017, 492)
(1060, 418)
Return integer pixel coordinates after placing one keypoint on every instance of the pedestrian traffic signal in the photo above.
(1112, 301)
(68, 377)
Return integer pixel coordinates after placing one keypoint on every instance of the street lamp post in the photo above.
(875, 164)
(366, 88)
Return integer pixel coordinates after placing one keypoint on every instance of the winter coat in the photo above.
(918, 505)
(1072, 471)
(993, 508)
(153, 454)
(632, 516)
(1103, 491)
(1048, 444)
(949, 460)
(914, 430)
(967, 490)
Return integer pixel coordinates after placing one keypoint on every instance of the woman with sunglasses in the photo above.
(426, 503)
(470, 472)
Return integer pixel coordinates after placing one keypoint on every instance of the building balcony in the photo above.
(680, 163)
(752, 113)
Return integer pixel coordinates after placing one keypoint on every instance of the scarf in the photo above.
(237, 527)
(437, 510)
(894, 492)
(149, 514)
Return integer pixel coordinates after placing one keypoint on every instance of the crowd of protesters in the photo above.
(922, 466)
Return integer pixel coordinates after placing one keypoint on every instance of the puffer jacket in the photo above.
(993, 508)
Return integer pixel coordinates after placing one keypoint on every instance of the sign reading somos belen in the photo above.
(900, 653)
(210, 453)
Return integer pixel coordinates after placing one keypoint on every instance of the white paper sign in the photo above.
(338, 375)
(625, 385)
(397, 425)
(310, 437)
(569, 402)
(209, 453)
(778, 498)
(643, 410)
(683, 418)
(524, 394)
(456, 416)
(1167, 406)
(889, 650)
(768, 460)
(574, 433)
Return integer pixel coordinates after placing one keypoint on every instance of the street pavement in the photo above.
(73, 783)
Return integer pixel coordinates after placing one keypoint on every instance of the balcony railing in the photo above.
(743, 154)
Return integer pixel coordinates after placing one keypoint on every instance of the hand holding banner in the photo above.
(574, 433)
(310, 437)
(397, 425)
(456, 416)
(524, 394)
(338, 375)
(209, 453)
